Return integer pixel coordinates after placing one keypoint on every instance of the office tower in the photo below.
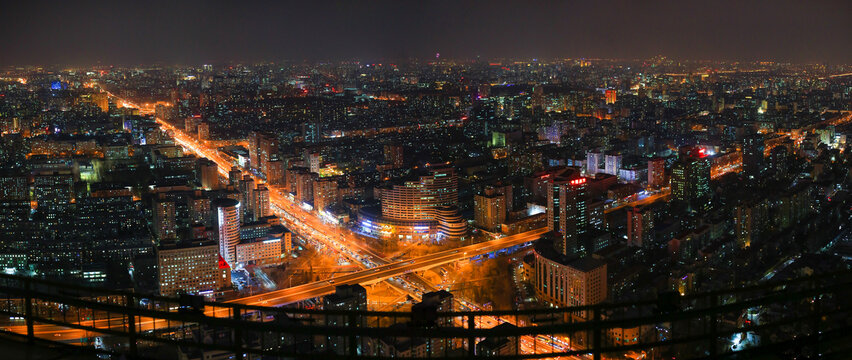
(640, 227)
(234, 176)
(394, 155)
(261, 195)
(552, 186)
(228, 227)
(656, 173)
(489, 210)
(190, 267)
(207, 174)
(164, 218)
(573, 217)
(610, 96)
(247, 199)
(325, 193)
(613, 163)
(690, 182)
(754, 166)
(418, 199)
(203, 131)
(346, 298)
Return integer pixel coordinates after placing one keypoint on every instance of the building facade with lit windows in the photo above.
(259, 251)
(568, 280)
(656, 173)
(690, 182)
(228, 227)
(421, 209)
(566, 210)
(191, 267)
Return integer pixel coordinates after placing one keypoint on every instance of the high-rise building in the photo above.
(275, 172)
(228, 227)
(656, 173)
(751, 220)
(101, 100)
(261, 198)
(394, 155)
(640, 227)
(207, 174)
(164, 218)
(191, 267)
(690, 181)
(314, 161)
(312, 132)
(199, 209)
(594, 159)
(325, 193)
(261, 148)
(610, 96)
(566, 211)
(754, 164)
(613, 163)
(234, 176)
(247, 199)
(203, 131)
(573, 216)
(346, 298)
(303, 184)
(489, 210)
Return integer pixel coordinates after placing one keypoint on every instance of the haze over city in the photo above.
(185, 32)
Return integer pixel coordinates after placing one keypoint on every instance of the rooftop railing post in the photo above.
(28, 309)
(596, 334)
(471, 341)
(817, 316)
(353, 351)
(714, 318)
(131, 325)
(238, 336)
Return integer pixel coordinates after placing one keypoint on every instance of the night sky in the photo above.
(193, 32)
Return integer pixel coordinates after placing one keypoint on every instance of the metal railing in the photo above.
(807, 316)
